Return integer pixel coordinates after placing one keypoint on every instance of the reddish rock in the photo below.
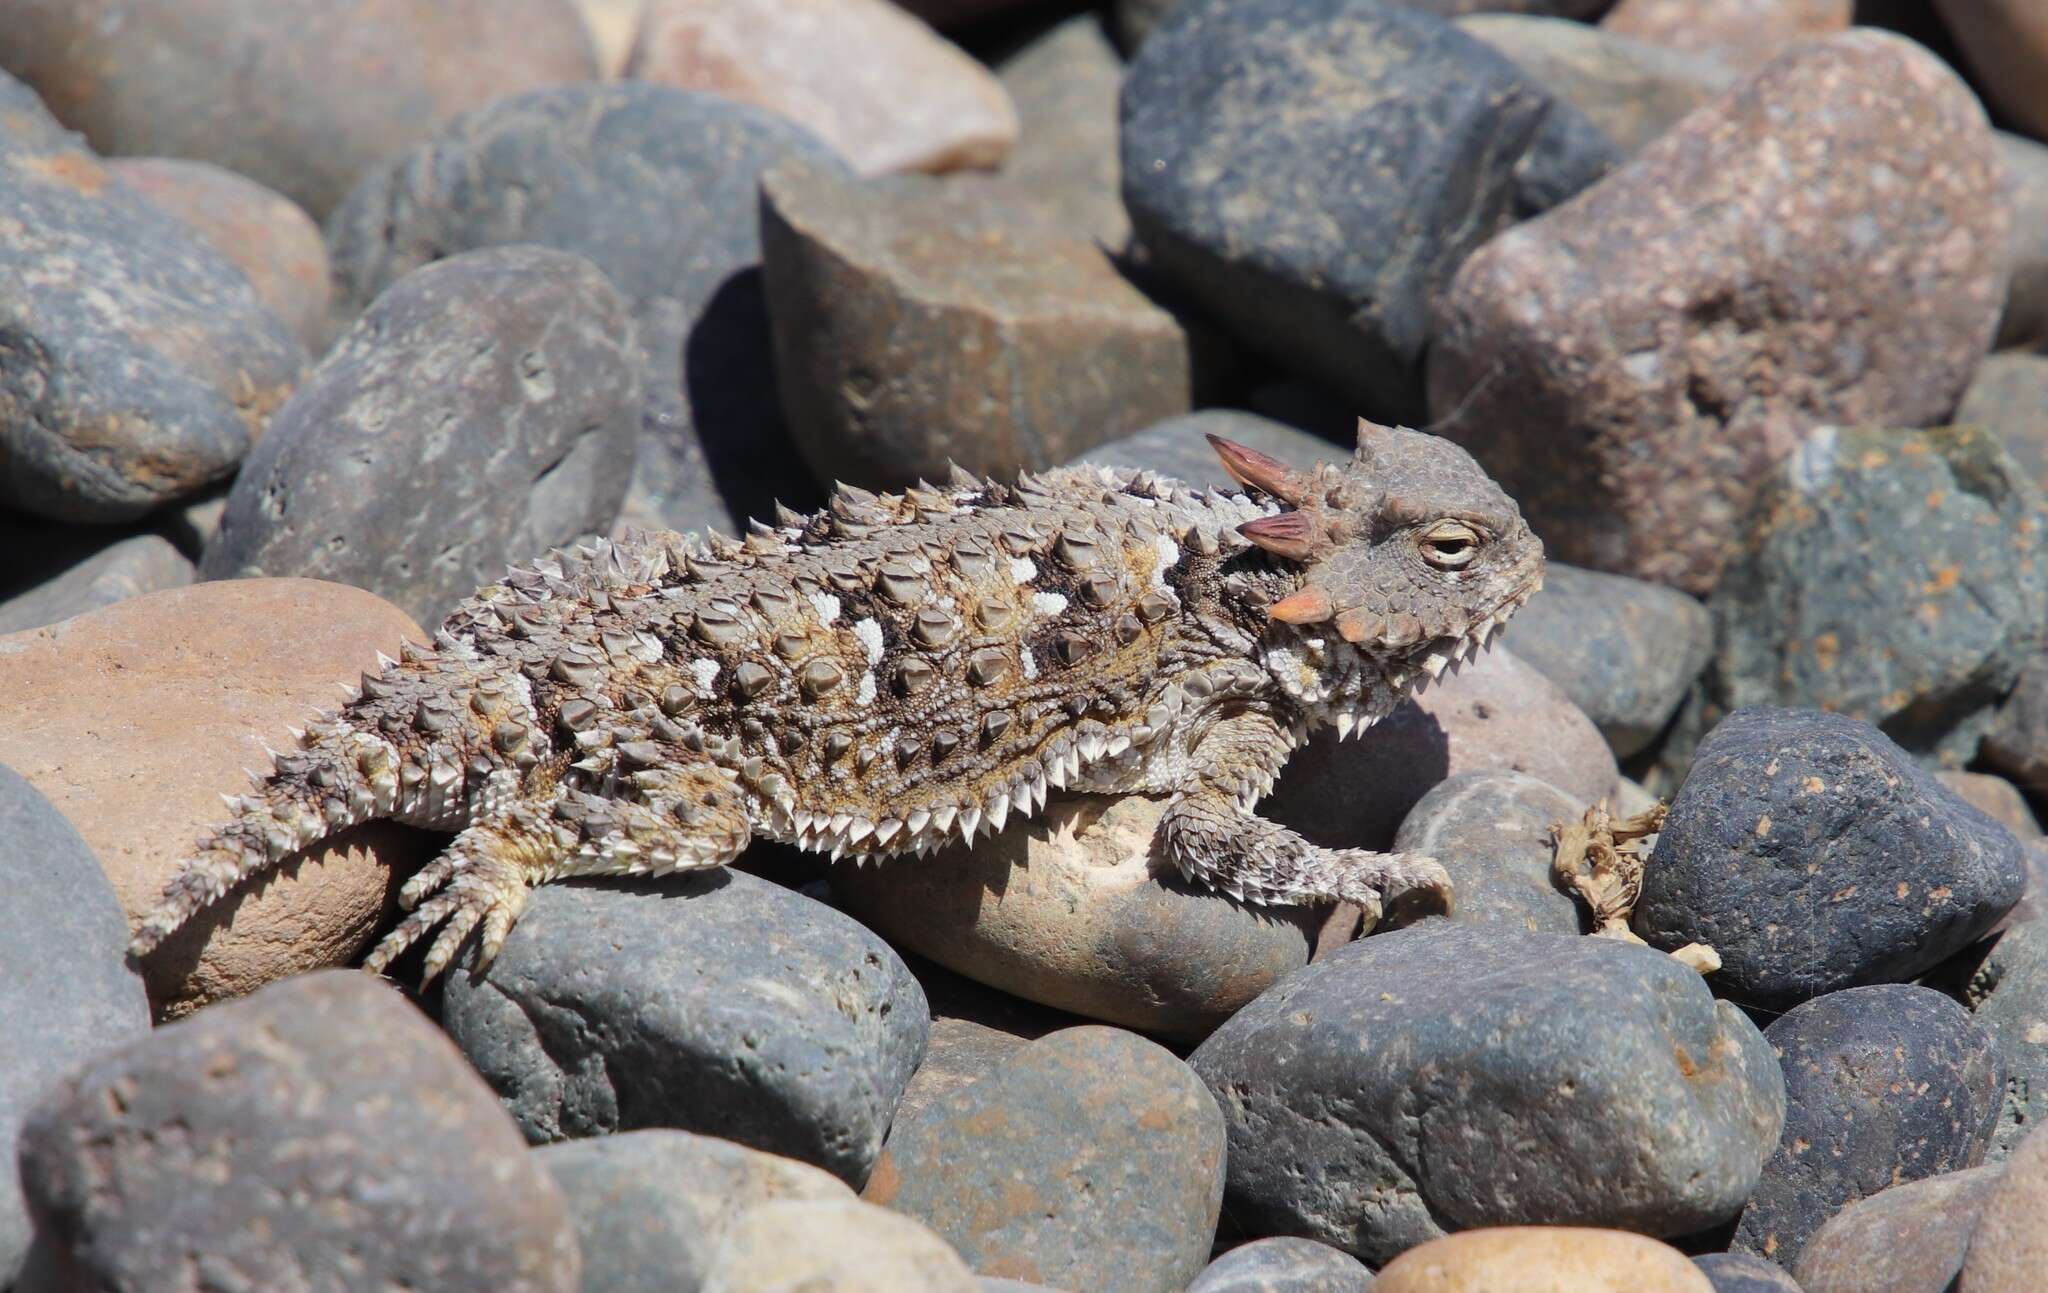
(299, 95)
(2009, 1249)
(2006, 43)
(1996, 797)
(135, 719)
(1743, 34)
(1542, 1259)
(1824, 243)
(265, 234)
(1907, 1238)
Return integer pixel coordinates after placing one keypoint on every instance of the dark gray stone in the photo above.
(1745, 1273)
(1284, 1265)
(1814, 854)
(1491, 831)
(1136, 18)
(1908, 1238)
(715, 1002)
(1091, 1159)
(136, 364)
(1623, 649)
(1313, 172)
(1178, 446)
(1899, 577)
(1884, 1084)
(1443, 1077)
(2009, 397)
(2009, 994)
(127, 567)
(483, 410)
(2016, 742)
(657, 187)
(66, 988)
(650, 1206)
(319, 1134)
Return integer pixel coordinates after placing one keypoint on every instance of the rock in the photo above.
(2016, 743)
(2006, 45)
(1745, 1273)
(612, 25)
(141, 364)
(2025, 192)
(1883, 1085)
(873, 288)
(650, 1207)
(1072, 909)
(276, 89)
(1740, 34)
(950, 14)
(1542, 1259)
(198, 1153)
(130, 567)
(2009, 1249)
(712, 1001)
(1625, 651)
(2009, 398)
(1284, 1266)
(274, 243)
(1491, 831)
(482, 411)
(26, 123)
(135, 719)
(1092, 1159)
(974, 1030)
(1630, 364)
(1995, 797)
(1313, 171)
(1906, 1238)
(1136, 18)
(1064, 84)
(1511, 1078)
(1498, 715)
(1631, 90)
(834, 1247)
(1813, 854)
(1900, 577)
(908, 100)
(1179, 447)
(2009, 995)
(68, 991)
(657, 187)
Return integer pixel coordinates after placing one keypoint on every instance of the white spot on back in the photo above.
(826, 605)
(870, 635)
(866, 694)
(1030, 665)
(1022, 570)
(1048, 603)
(1169, 554)
(706, 671)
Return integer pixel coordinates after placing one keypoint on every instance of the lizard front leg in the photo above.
(1212, 835)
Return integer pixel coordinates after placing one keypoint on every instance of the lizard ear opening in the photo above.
(1249, 467)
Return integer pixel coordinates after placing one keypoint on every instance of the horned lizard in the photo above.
(900, 670)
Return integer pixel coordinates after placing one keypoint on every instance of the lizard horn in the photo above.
(1307, 605)
(1285, 534)
(1247, 466)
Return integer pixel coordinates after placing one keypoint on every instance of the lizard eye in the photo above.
(1450, 545)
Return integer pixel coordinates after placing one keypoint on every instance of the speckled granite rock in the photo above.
(1883, 1085)
(1491, 831)
(199, 1147)
(747, 1011)
(1313, 172)
(1513, 1078)
(1907, 1238)
(482, 411)
(1813, 854)
(130, 567)
(1284, 1266)
(1092, 1159)
(1542, 1259)
(1741, 34)
(1631, 364)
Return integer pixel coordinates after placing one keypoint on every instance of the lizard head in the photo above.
(1410, 552)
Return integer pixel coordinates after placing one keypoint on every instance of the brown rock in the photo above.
(1821, 244)
(1075, 910)
(1907, 1239)
(817, 1246)
(1065, 86)
(881, 87)
(2009, 1249)
(2026, 195)
(1995, 796)
(2009, 397)
(265, 234)
(135, 719)
(299, 95)
(141, 563)
(1497, 715)
(1743, 34)
(1542, 1259)
(2006, 43)
(974, 1030)
(921, 321)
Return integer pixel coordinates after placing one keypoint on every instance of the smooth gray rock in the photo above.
(66, 988)
(1491, 831)
(2009, 394)
(658, 188)
(2009, 994)
(1312, 172)
(130, 567)
(1090, 1159)
(1883, 1085)
(2025, 322)
(1179, 447)
(1443, 1077)
(1625, 650)
(319, 1134)
(1814, 854)
(651, 1206)
(483, 410)
(1064, 84)
(715, 1002)
(1284, 1265)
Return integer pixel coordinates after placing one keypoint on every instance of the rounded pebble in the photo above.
(1492, 832)
(1908, 1238)
(795, 1246)
(1542, 1259)
(1284, 1265)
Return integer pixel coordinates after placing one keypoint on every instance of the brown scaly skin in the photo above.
(899, 670)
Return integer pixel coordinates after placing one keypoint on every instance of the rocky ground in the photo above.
(314, 316)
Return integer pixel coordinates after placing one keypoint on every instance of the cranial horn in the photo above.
(1248, 466)
(1309, 605)
(1285, 534)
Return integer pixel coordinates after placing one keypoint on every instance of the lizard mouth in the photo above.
(1410, 673)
